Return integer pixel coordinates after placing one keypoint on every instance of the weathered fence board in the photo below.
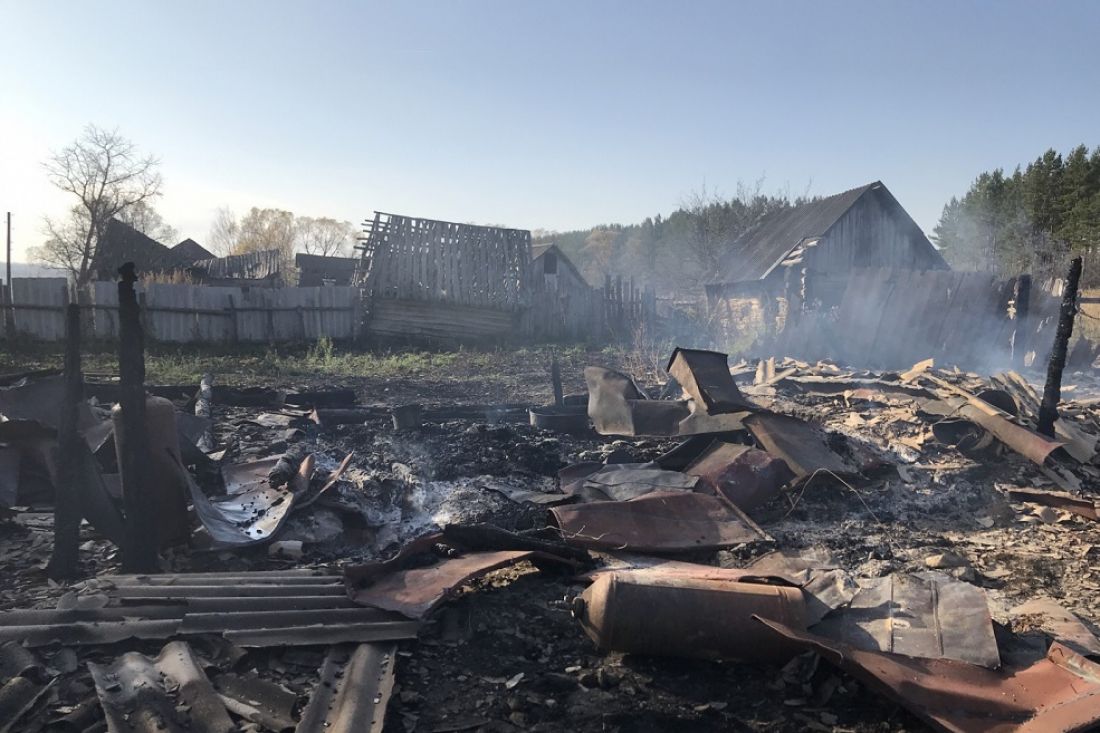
(39, 305)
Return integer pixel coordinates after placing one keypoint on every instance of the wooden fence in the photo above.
(180, 313)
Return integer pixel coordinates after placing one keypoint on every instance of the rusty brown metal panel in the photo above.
(1059, 693)
(353, 691)
(414, 592)
(705, 376)
(927, 615)
(801, 445)
(657, 522)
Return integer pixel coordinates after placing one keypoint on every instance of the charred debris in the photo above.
(773, 545)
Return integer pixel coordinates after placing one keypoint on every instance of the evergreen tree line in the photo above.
(1032, 220)
(676, 255)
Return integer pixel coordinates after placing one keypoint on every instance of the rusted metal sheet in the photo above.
(415, 592)
(743, 475)
(1079, 505)
(656, 522)
(167, 693)
(1033, 446)
(353, 691)
(705, 376)
(1057, 622)
(655, 613)
(623, 481)
(1059, 693)
(928, 615)
(825, 583)
(802, 446)
(250, 517)
(257, 700)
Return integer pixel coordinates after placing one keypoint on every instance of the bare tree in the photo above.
(224, 232)
(147, 220)
(324, 236)
(108, 176)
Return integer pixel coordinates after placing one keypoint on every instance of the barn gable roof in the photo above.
(760, 250)
(123, 243)
(192, 250)
(538, 250)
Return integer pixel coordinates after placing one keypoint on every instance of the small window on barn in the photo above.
(550, 263)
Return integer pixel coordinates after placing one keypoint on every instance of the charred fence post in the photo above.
(555, 381)
(1052, 392)
(1020, 340)
(68, 511)
(140, 550)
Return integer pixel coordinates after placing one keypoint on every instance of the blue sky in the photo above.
(539, 115)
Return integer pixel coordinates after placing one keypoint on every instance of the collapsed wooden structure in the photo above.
(425, 278)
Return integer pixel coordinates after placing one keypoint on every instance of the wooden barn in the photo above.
(433, 279)
(316, 270)
(807, 253)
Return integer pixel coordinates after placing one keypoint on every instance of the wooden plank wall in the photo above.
(891, 319)
(438, 261)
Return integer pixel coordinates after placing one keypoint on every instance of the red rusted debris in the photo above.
(657, 522)
(1078, 505)
(928, 615)
(664, 613)
(741, 474)
(415, 592)
(705, 377)
(1055, 621)
(802, 446)
(1058, 693)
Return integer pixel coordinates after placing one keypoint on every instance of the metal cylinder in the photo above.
(167, 485)
(689, 617)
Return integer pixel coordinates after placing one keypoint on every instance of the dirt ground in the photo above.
(506, 655)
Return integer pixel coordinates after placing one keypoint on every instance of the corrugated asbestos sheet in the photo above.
(252, 609)
(353, 691)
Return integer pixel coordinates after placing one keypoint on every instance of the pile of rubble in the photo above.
(691, 553)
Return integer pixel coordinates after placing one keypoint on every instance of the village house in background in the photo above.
(321, 270)
(807, 254)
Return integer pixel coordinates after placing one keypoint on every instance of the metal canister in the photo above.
(643, 613)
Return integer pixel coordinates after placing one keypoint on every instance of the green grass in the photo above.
(168, 364)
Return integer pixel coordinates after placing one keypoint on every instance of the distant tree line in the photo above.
(1032, 220)
(673, 255)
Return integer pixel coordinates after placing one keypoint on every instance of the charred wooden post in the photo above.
(67, 511)
(555, 380)
(139, 554)
(1052, 392)
(204, 407)
(1020, 338)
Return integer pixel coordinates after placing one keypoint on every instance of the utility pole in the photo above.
(5, 294)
